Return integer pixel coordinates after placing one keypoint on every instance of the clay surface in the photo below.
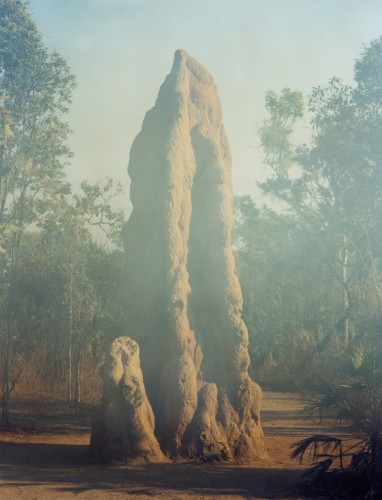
(183, 296)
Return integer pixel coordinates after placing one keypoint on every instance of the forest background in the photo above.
(310, 270)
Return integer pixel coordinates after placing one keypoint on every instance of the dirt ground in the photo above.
(52, 462)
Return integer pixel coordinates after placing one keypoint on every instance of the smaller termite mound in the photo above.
(123, 428)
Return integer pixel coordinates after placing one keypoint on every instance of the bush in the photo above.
(353, 401)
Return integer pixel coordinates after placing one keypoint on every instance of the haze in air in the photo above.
(249, 46)
(223, 336)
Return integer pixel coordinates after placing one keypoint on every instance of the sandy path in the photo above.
(54, 466)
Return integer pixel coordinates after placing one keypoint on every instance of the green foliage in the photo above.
(290, 305)
(336, 190)
(66, 281)
(51, 298)
(275, 132)
(330, 234)
(311, 273)
(35, 89)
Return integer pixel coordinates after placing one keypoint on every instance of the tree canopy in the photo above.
(48, 299)
(321, 251)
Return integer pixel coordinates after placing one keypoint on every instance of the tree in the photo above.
(67, 220)
(35, 89)
(289, 304)
(65, 285)
(336, 191)
(275, 132)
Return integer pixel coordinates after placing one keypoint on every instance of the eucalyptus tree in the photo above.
(335, 188)
(66, 229)
(289, 305)
(65, 285)
(35, 90)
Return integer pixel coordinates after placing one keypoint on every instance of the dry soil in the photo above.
(51, 462)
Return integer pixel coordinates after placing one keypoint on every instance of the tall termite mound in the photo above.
(183, 296)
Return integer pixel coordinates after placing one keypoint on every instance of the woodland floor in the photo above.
(46, 457)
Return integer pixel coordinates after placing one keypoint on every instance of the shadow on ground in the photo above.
(290, 425)
(67, 468)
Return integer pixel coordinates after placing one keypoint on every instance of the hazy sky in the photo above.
(121, 51)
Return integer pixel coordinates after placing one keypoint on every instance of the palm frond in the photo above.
(318, 469)
(317, 446)
(353, 399)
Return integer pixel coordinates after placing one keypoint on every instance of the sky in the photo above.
(121, 51)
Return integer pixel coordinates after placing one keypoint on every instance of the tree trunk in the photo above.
(6, 399)
(77, 380)
(71, 319)
(343, 323)
(70, 343)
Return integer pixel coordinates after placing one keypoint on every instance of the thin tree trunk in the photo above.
(6, 399)
(71, 317)
(345, 294)
(77, 381)
(374, 274)
(3, 185)
(70, 343)
(69, 383)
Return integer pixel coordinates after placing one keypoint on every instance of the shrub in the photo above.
(352, 400)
